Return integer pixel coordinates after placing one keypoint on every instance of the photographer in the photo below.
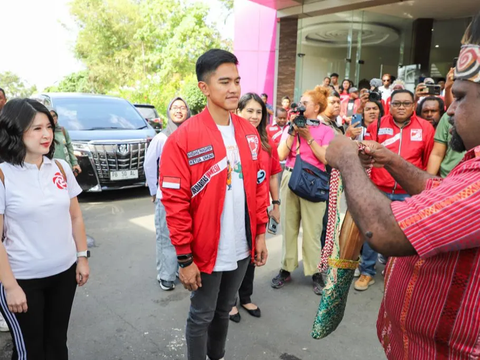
(310, 140)
(371, 110)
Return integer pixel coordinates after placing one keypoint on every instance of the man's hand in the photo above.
(275, 213)
(190, 277)
(261, 253)
(16, 299)
(303, 132)
(450, 81)
(353, 131)
(378, 154)
(76, 169)
(364, 95)
(83, 271)
(154, 197)
(420, 91)
(340, 148)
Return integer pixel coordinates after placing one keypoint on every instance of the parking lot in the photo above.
(123, 314)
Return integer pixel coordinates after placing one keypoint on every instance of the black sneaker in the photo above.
(280, 280)
(166, 285)
(318, 283)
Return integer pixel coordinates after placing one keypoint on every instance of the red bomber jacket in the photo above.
(414, 143)
(193, 180)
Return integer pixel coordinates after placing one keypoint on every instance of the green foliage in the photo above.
(76, 82)
(14, 86)
(144, 51)
(193, 96)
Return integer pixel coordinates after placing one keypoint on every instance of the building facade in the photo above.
(288, 46)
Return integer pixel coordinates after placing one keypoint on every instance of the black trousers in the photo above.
(41, 332)
(246, 289)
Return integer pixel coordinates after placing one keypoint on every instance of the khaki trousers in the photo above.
(295, 210)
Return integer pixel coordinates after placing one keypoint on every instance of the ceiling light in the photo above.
(437, 46)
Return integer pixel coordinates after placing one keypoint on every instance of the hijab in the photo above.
(171, 125)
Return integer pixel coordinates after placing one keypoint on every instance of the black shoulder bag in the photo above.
(308, 181)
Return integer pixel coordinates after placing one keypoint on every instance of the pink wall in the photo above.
(254, 45)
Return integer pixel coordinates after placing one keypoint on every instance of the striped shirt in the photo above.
(431, 304)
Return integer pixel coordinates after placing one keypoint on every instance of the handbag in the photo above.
(308, 181)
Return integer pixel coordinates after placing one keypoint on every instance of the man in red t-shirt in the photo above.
(275, 130)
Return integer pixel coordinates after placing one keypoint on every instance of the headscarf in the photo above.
(468, 64)
(171, 125)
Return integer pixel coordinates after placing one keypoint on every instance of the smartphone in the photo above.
(433, 89)
(356, 120)
(272, 226)
(455, 62)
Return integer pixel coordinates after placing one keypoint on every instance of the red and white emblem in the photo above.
(59, 181)
(252, 141)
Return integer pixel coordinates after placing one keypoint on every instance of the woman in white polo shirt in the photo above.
(44, 252)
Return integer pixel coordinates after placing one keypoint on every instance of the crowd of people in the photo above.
(221, 178)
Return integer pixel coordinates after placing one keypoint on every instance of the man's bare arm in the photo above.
(371, 211)
(412, 179)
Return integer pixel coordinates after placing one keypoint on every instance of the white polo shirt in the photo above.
(35, 204)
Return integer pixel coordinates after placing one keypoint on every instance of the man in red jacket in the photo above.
(410, 137)
(215, 199)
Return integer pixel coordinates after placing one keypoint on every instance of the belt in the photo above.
(288, 168)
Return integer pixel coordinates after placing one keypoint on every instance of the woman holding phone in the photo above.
(252, 108)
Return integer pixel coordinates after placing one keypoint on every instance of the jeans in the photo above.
(167, 264)
(370, 256)
(246, 289)
(207, 323)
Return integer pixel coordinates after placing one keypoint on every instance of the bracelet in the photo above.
(309, 142)
(184, 264)
(184, 257)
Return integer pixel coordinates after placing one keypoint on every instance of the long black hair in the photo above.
(262, 127)
(15, 118)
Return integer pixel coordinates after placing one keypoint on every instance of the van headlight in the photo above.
(81, 150)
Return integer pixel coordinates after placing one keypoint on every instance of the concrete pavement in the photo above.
(122, 314)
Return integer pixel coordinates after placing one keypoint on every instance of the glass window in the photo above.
(79, 113)
(147, 112)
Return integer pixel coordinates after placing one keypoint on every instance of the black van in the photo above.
(109, 137)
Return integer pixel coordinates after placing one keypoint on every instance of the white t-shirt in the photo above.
(385, 92)
(35, 204)
(233, 244)
(152, 162)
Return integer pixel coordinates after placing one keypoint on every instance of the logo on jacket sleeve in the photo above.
(59, 181)
(171, 183)
(416, 135)
(252, 141)
(261, 175)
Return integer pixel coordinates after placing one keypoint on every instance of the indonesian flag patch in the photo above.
(171, 183)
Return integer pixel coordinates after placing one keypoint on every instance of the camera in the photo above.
(300, 120)
(374, 95)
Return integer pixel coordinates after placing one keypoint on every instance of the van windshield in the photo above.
(97, 114)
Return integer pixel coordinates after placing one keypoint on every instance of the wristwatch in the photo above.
(277, 202)
(309, 142)
(85, 254)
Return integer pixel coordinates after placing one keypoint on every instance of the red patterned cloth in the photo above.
(431, 304)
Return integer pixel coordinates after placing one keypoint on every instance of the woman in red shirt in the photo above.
(252, 108)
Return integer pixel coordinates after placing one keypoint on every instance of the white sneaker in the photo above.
(3, 325)
(357, 272)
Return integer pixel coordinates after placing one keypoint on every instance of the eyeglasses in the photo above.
(181, 108)
(405, 104)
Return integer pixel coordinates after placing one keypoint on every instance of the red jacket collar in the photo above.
(413, 120)
(207, 119)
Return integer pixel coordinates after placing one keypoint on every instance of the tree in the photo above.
(75, 82)
(14, 86)
(142, 50)
(193, 96)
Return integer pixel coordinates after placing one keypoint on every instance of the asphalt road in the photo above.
(122, 314)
